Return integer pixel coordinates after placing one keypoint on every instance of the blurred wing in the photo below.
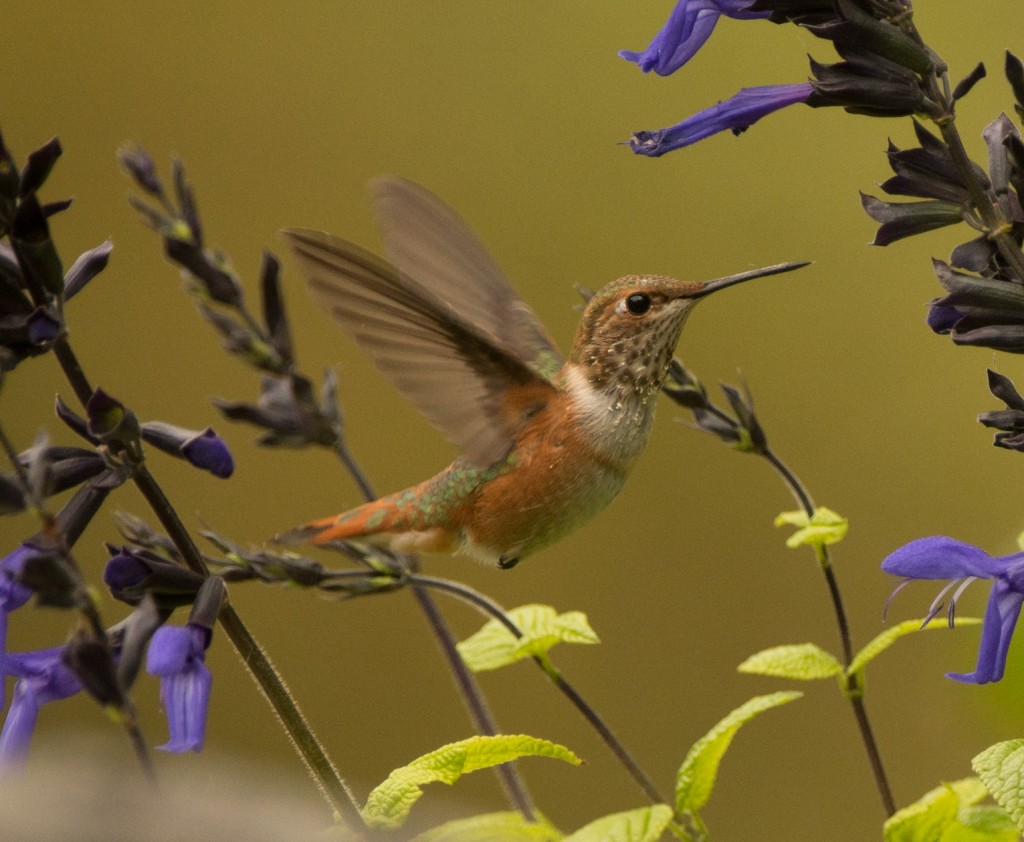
(430, 242)
(456, 372)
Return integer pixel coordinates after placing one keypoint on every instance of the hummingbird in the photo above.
(545, 442)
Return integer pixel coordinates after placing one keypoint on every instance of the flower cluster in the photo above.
(883, 72)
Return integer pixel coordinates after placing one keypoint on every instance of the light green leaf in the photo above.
(887, 638)
(947, 814)
(696, 777)
(645, 824)
(495, 646)
(1001, 769)
(389, 804)
(505, 826)
(823, 527)
(801, 661)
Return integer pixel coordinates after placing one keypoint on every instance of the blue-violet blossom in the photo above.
(685, 32)
(13, 594)
(177, 654)
(939, 557)
(736, 114)
(42, 677)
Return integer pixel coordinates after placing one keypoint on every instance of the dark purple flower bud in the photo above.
(62, 467)
(997, 134)
(273, 309)
(965, 85)
(42, 677)
(939, 557)
(991, 310)
(204, 449)
(131, 574)
(89, 264)
(38, 167)
(177, 654)
(855, 30)
(1015, 76)
(1010, 420)
(109, 419)
(905, 219)
(36, 253)
(735, 114)
(43, 327)
(863, 88)
(689, 25)
(92, 662)
(288, 410)
(139, 165)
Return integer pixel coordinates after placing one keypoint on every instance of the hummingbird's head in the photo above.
(630, 329)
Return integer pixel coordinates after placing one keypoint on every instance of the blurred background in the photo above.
(514, 112)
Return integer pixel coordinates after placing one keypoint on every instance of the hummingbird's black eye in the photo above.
(638, 303)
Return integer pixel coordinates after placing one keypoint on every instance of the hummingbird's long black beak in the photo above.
(729, 280)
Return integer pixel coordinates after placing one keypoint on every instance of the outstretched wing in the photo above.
(447, 329)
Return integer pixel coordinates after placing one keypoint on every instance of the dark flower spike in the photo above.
(1009, 421)
(187, 202)
(217, 283)
(1015, 76)
(939, 557)
(905, 219)
(689, 25)
(968, 82)
(42, 677)
(736, 114)
(132, 574)
(866, 88)
(38, 167)
(87, 267)
(204, 449)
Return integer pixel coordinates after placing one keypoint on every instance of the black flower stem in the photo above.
(488, 606)
(852, 688)
(251, 653)
(472, 696)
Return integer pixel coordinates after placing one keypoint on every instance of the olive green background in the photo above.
(512, 112)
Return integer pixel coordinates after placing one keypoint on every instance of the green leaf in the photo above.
(495, 646)
(823, 527)
(947, 814)
(505, 826)
(645, 824)
(389, 804)
(887, 638)
(801, 661)
(696, 777)
(1001, 769)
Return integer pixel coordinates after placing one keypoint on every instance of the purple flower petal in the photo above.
(1004, 605)
(124, 570)
(736, 114)
(176, 654)
(689, 25)
(939, 557)
(209, 452)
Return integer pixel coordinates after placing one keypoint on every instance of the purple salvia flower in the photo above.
(42, 677)
(939, 557)
(203, 449)
(685, 32)
(735, 114)
(13, 594)
(177, 654)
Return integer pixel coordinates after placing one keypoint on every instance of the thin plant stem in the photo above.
(852, 688)
(492, 609)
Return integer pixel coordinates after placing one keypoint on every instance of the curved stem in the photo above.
(852, 688)
(488, 606)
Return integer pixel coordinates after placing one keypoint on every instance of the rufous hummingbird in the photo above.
(545, 442)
